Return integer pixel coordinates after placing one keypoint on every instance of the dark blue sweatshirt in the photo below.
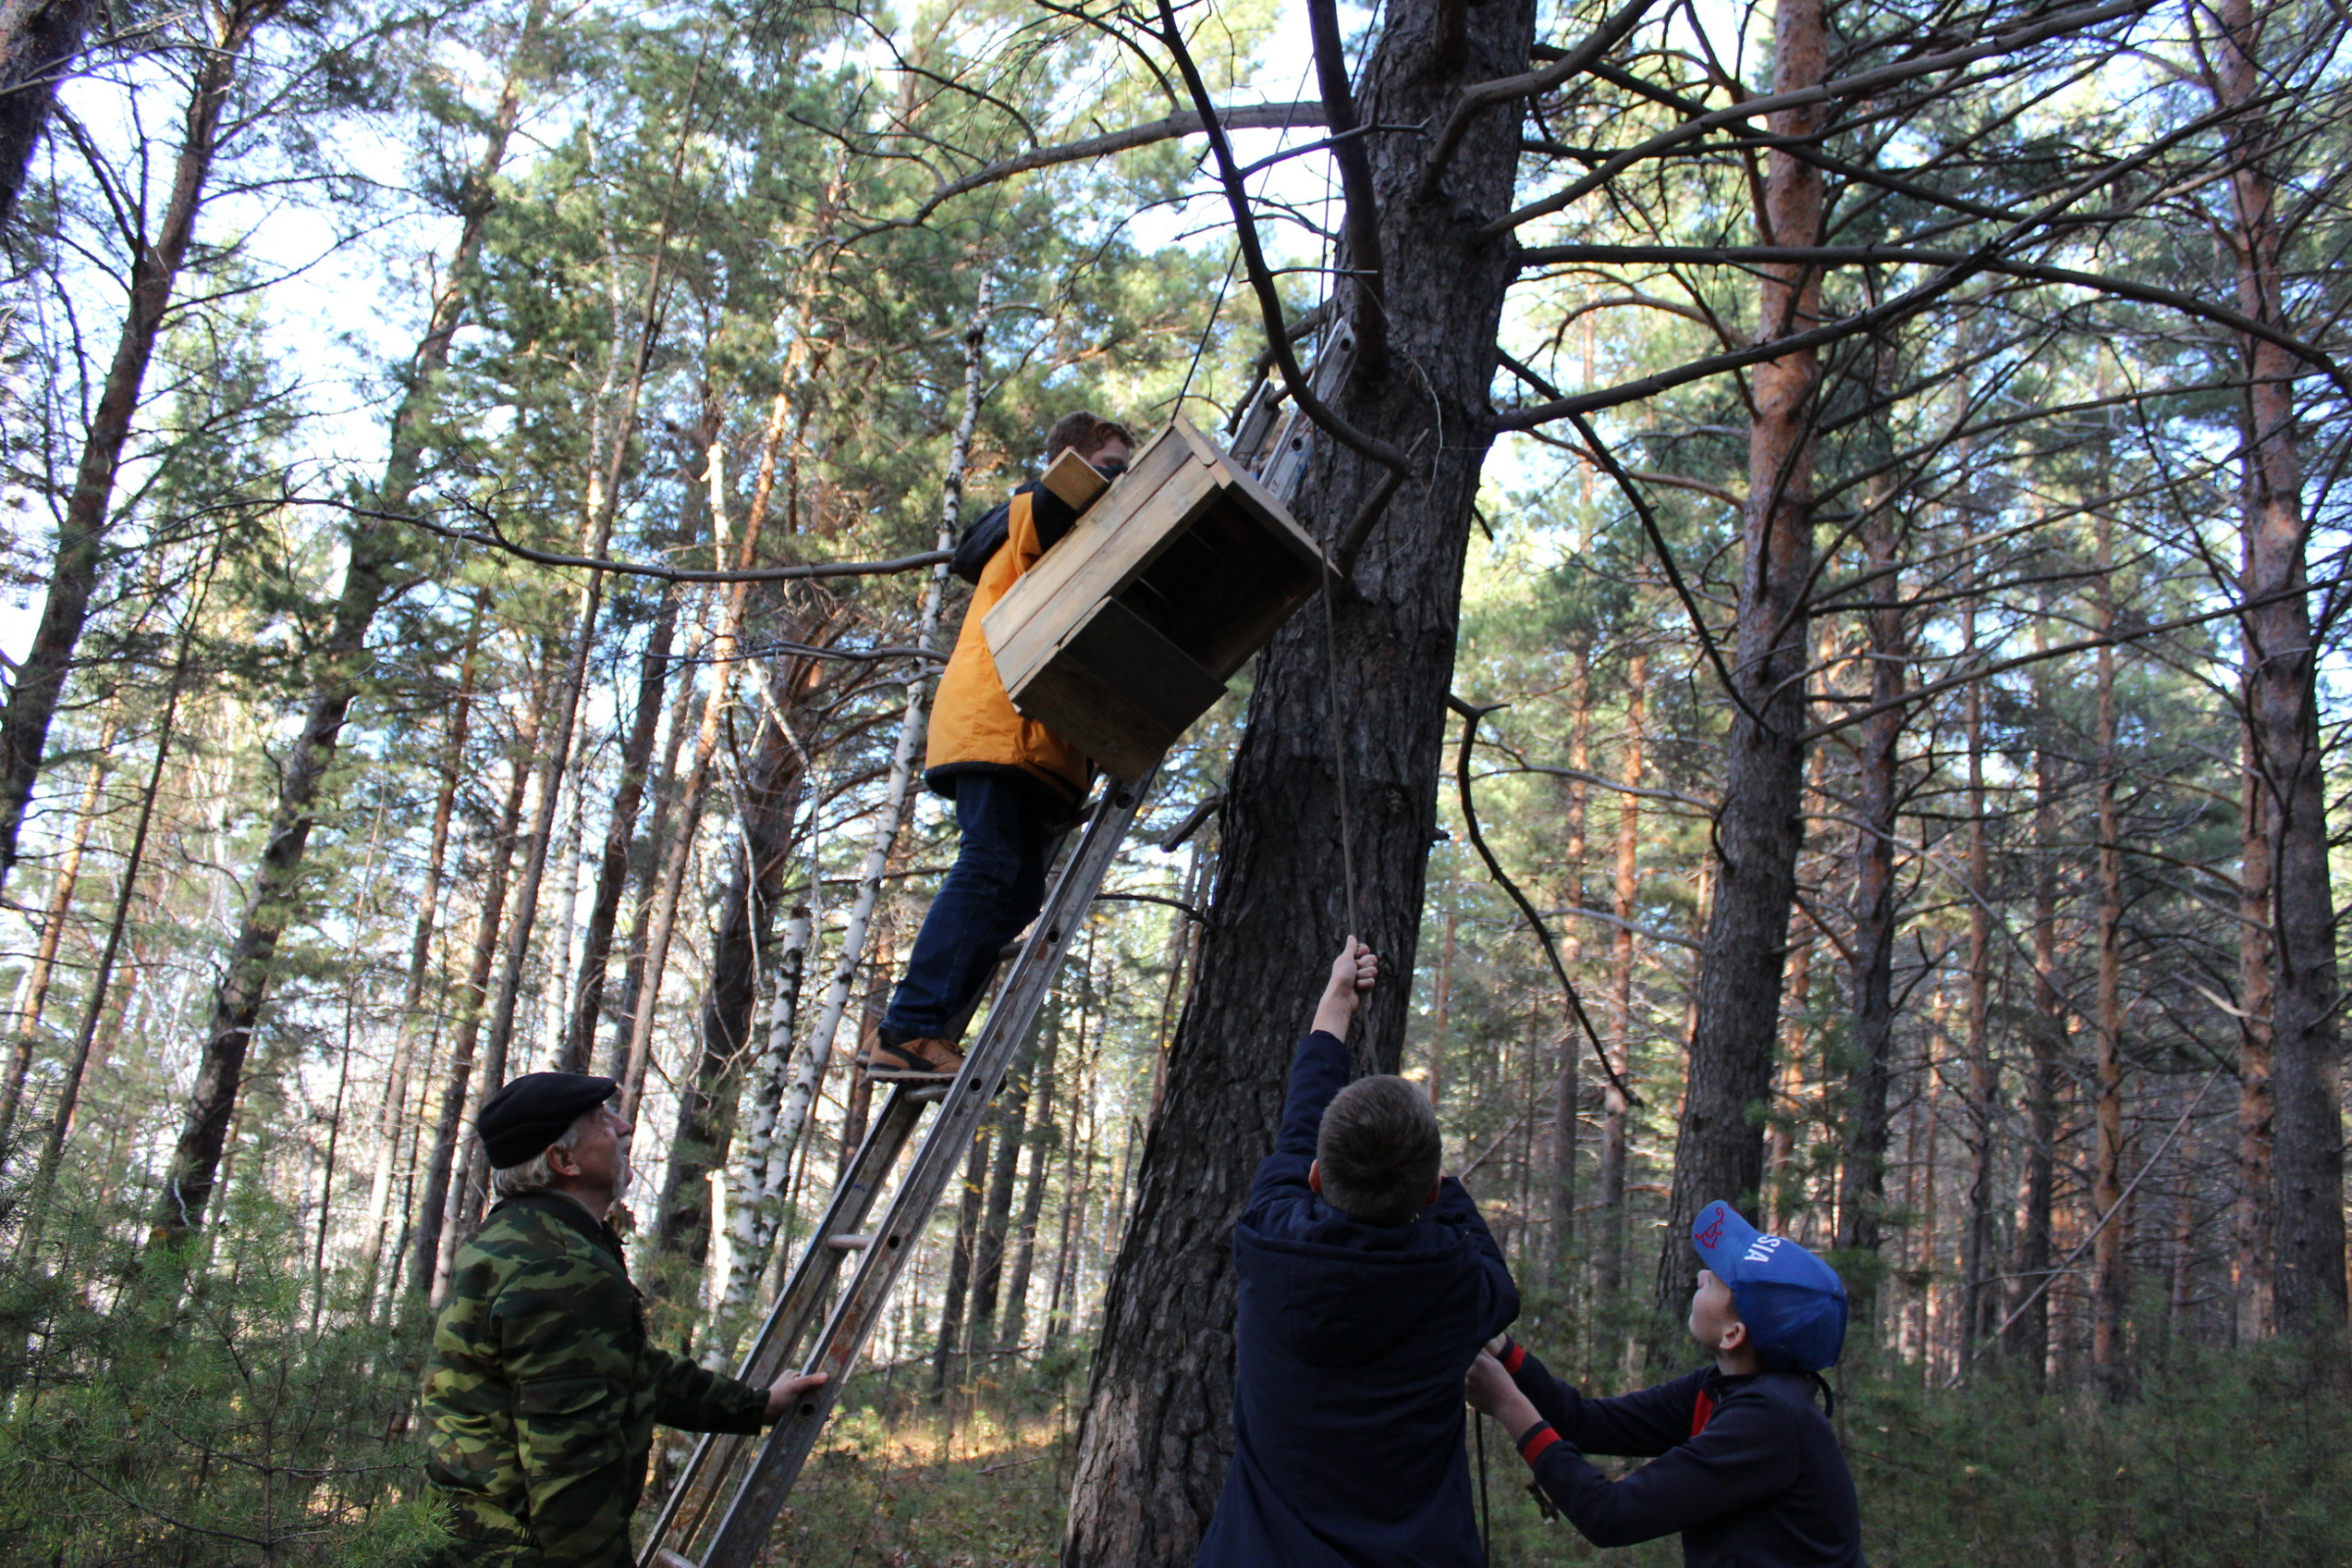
(1352, 1342)
(1747, 1468)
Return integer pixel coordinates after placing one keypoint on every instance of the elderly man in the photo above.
(543, 1388)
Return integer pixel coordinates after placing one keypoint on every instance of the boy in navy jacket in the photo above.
(1742, 1461)
(1367, 1286)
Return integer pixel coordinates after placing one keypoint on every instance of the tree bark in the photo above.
(1984, 1082)
(40, 679)
(53, 928)
(2108, 1288)
(1862, 1178)
(621, 832)
(2282, 699)
(2252, 1246)
(959, 1261)
(377, 548)
(1719, 1151)
(1153, 1442)
(740, 953)
(1610, 1255)
(433, 1205)
(40, 42)
(2029, 1336)
(1043, 1138)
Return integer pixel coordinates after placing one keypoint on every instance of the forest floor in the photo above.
(2215, 1461)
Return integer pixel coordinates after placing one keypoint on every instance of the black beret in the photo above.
(532, 1111)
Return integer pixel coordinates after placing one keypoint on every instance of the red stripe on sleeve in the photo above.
(1701, 1412)
(1514, 1356)
(1537, 1438)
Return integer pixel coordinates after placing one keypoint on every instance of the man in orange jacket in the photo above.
(1013, 781)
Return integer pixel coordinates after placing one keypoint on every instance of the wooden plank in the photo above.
(1102, 554)
(1159, 463)
(1074, 481)
(1119, 691)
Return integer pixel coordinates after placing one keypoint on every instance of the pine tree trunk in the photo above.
(741, 950)
(1862, 1178)
(1044, 1138)
(1719, 1150)
(53, 927)
(621, 830)
(1009, 1117)
(1984, 1082)
(433, 1206)
(2307, 1148)
(40, 42)
(377, 548)
(1609, 1256)
(1155, 1435)
(39, 679)
(394, 1119)
(2252, 1246)
(2029, 1337)
(2109, 1287)
(960, 1263)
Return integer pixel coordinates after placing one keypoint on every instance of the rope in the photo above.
(1339, 756)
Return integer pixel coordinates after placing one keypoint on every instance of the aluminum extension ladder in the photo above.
(704, 1523)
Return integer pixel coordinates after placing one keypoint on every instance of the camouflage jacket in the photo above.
(543, 1389)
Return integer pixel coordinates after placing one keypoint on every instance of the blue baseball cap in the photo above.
(1792, 1303)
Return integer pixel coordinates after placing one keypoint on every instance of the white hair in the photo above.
(534, 1175)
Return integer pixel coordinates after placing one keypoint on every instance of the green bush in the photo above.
(154, 1412)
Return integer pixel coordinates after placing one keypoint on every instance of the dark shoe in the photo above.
(913, 1061)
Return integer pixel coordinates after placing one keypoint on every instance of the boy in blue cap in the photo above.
(1744, 1464)
(1367, 1286)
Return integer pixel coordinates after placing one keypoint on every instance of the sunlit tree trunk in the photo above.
(2251, 1243)
(1609, 1253)
(53, 927)
(434, 1204)
(378, 547)
(1719, 1151)
(2282, 697)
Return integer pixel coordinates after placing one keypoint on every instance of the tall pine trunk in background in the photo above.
(1862, 1178)
(1719, 1150)
(377, 549)
(1609, 1253)
(1155, 1435)
(2282, 699)
(2108, 1284)
(38, 680)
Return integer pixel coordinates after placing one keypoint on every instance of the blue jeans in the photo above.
(994, 890)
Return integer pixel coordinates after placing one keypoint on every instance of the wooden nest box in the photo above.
(1126, 630)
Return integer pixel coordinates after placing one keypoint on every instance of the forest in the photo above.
(1830, 698)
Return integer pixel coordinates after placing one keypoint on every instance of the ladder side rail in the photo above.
(743, 1531)
(805, 1293)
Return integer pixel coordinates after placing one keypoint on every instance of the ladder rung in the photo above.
(849, 1243)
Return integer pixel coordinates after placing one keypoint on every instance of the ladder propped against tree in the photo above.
(731, 1490)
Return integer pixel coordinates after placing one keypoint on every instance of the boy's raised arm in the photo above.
(1319, 1070)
